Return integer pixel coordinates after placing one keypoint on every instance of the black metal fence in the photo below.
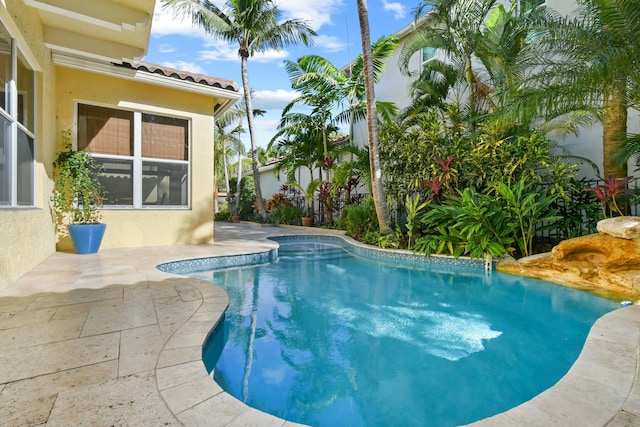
(579, 208)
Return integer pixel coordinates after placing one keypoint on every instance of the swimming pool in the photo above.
(442, 345)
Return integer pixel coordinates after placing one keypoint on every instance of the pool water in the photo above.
(325, 338)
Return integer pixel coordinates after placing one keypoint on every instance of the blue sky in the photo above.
(177, 44)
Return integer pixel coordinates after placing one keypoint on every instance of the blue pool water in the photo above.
(326, 338)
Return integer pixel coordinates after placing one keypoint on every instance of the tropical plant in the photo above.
(227, 145)
(589, 62)
(299, 141)
(454, 27)
(360, 220)
(467, 223)
(255, 26)
(413, 207)
(499, 222)
(431, 158)
(528, 206)
(323, 85)
(377, 188)
(245, 198)
(286, 213)
(610, 193)
(77, 194)
(347, 175)
(579, 211)
(322, 97)
(308, 193)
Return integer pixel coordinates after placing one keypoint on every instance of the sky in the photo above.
(177, 44)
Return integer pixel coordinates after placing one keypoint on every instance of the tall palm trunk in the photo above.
(469, 77)
(254, 149)
(614, 129)
(226, 171)
(238, 185)
(372, 122)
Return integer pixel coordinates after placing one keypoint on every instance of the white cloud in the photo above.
(273, 99)
(270, 56)
(185, 66)
(218, 50)
(165, 22)
(330, 43)
(398, 9)
(166, 48)
(266, 126)
(316, 13)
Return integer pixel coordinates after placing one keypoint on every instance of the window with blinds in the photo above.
(144, 157)
(105, 130)
(164, 137)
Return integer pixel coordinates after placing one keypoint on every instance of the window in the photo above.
(145, 157)
(527, 5)
(17, 125)
(428, 54)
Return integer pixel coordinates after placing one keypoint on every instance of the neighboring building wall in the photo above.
(269, 182)
(395, 86)
(27, 235)
(149, 226)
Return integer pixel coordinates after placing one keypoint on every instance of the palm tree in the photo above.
(372, 121)
(227, 144)
(255, 27)
(454, 27)
(300, 142)
(591, 63)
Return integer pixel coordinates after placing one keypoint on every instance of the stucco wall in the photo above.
(147, 227)
(27, 236)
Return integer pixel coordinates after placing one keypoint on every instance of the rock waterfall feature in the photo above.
(606, 263)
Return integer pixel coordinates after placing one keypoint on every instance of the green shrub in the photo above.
(286, 214)
(247, 197)
(359, 220)
(498, 223)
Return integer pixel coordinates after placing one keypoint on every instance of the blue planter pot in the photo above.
(86, 237)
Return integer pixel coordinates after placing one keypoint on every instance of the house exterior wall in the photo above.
(27, 235)
(147, 227)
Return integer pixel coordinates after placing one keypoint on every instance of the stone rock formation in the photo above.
(607, 262)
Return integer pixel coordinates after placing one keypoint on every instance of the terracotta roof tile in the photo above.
(181, 75)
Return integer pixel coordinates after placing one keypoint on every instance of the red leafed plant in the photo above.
(609, 191)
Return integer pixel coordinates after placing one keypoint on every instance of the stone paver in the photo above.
(107, 339)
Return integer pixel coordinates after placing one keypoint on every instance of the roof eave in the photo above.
(228, 96)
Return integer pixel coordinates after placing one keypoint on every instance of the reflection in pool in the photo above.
(326, 338)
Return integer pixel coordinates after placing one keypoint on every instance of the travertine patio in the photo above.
(108, 339)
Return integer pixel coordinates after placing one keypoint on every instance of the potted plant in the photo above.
(308, 195)
(77, 196)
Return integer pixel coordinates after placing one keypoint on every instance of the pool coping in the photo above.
(594, 391)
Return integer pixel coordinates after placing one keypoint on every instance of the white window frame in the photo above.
(137, 159)
(11, 115)
(542, 3)
(423, 62)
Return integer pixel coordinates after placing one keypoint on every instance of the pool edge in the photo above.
(579, 398)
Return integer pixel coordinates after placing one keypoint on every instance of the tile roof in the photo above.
(181, 75)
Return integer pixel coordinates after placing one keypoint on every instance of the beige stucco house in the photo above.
(73, 65)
